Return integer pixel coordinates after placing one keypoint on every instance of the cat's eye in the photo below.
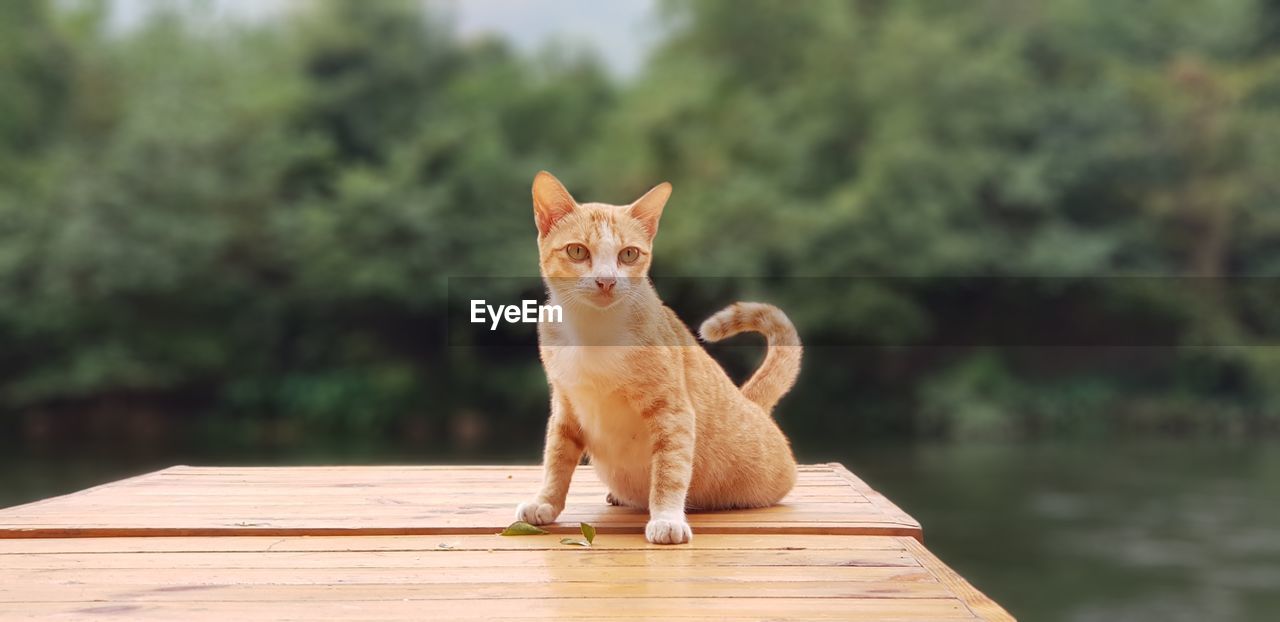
(577, 252)
(629, 255)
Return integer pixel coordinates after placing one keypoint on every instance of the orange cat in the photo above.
(664, 426)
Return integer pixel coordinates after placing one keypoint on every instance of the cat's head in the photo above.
(594, 253)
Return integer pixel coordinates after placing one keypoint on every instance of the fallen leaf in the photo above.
(574, 541)
(588, 532)
(521, 528)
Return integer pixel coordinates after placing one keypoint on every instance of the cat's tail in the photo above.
(781, 363)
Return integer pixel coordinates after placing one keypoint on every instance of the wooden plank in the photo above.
(982, 606)
(747, 577)
(91, 579)
(426, 547)
(418, 590)
(414, 500)
(891, 511)
(668, 608)
(140, 514)
(878, 528)
(442, 558)
(233, 544)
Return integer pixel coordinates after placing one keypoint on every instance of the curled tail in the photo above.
(781, 363)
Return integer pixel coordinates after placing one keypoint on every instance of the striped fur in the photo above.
(781, 364)
(665, 427)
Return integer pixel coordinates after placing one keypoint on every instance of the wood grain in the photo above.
(414, 500)
(412, 543)
(979, 603)
(473, 577)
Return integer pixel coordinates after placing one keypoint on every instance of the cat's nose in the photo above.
(606, 283)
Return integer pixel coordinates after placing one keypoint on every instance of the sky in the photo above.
(622, 31)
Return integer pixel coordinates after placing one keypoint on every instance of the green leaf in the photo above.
(588, 532)
(521, 528)
(574, 541)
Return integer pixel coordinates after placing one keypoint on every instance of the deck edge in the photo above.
(85, 491)
(11, 533)
(979, 603)
(878, 499)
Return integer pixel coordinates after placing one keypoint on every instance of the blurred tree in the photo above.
(990, 138)
(260, 222)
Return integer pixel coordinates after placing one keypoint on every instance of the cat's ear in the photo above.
(648, 208)
(551, 201)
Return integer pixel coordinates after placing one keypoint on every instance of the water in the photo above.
(1136, 531)
(1115, 531)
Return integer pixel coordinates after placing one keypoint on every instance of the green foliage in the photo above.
(588, 536)
(258, 221)
(521, 528)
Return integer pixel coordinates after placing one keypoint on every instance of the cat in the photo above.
(664, 426)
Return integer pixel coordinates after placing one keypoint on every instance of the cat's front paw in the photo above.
(536, 513)
(668, 530)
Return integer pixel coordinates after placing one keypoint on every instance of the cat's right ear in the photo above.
(551, 201)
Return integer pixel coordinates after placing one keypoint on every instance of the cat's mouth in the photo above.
(602, 300)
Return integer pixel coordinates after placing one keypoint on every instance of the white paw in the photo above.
(668, 530)
(536, 513)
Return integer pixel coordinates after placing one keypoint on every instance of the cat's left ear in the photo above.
(648, 208)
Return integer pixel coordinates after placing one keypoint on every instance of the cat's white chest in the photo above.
(614, 432)
(616, 436)
(618, 443)
(587, 366)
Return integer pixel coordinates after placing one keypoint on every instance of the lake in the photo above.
(1072, 532)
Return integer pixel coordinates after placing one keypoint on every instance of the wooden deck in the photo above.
(194, 543)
